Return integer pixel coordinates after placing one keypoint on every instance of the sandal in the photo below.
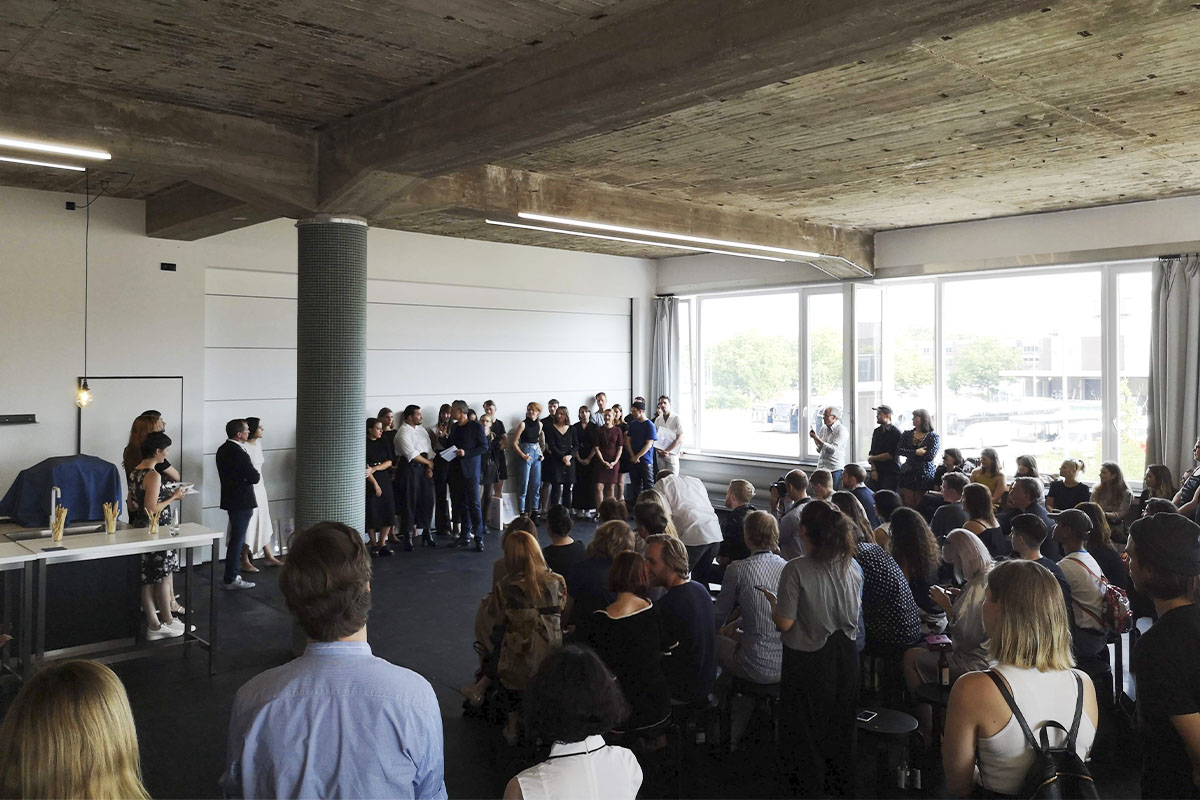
(474, 698)
(386, 551)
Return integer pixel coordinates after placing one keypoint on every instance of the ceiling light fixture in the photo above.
(57, 149)
(631, 241)
(31, 163)
(664, 235)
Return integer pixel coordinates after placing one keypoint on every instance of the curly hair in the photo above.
(913, 544)
(573, 696)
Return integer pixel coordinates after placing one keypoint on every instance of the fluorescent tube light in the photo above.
(664, 235)
(57, 149)
(41, 163)
(631, 241)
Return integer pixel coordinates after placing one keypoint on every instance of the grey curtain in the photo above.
(1174, 393)
(664, 352)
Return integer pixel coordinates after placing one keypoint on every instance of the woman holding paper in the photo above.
(148, 494)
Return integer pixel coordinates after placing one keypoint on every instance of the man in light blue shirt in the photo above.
(338, 721)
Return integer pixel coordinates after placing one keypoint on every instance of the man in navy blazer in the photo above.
(471, 443)
(238, 477)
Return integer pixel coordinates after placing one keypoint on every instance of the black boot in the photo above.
(463, 540)
(408, 543)
(478, 543)
(427, 539)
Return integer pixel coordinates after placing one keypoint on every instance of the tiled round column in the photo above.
(331, 366)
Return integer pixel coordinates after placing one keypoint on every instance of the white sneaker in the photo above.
(164, 632)
(178, 623)
(238, 583)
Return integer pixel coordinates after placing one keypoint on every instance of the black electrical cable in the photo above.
(87, 232)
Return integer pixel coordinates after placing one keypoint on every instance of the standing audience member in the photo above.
(951, 515)
(796, 496)
(1113, 495)
(381, 510)
(439, 435)
(548, 422)
(1164, 561)
(1030, 642)
(885, 440)
(259, 531)
(988, 473)
(70, 734)
(919, 448)
(572, 701)
(886, 503)
(1028, 533)
(489, 469)
(668, 425)
(1068, 492)
(601, 405)
(238, 476)
(584, 494)
(917, 554)
(527, 442)
(1025, 498)
(854, 480)
(830, 443)
(629, 636)
(500, 433)
(749, 646)
(471, 444)
(686, 609)
(1089, 636)
(298, 730)
(149, 495)
(1187, 499)
(587, 581)
(563, 552)
(144, 424)
(415, 451)
(737, 500)
(610, 444)
(977, 501)
(639, 441)
(694, 517)
(817, 611)
(558, 468)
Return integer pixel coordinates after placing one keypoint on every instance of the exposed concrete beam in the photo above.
(668, 57)
(502, 192)
(188, 212)
(256, 162)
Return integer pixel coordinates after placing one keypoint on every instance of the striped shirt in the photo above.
(761, 651)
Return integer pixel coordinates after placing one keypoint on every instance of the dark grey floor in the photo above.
(422, 616)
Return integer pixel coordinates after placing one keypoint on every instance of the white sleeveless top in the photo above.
(587, 770)
(1003, 760)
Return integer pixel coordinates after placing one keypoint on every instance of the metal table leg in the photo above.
(40, 643)
(187, 601)
(212, 610)
(26, 646)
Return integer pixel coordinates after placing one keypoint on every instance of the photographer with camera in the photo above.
(788, 496)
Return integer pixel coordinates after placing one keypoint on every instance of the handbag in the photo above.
(1116, 614)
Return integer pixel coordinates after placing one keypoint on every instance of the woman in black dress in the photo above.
(489, 476)
(148, 494)
(558, 470)
(585, 440)
(439, 435)
(501, 434)
(919, 448)
(380, 501)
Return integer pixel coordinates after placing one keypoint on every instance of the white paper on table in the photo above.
(666, 438)
(449, 454)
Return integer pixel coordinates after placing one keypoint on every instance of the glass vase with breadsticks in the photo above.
(111, 512)
(60, 522)
(154, 515)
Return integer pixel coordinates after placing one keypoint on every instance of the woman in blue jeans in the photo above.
(527, 441)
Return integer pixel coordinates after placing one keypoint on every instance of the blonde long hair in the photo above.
(70, 734)
(1033, 631)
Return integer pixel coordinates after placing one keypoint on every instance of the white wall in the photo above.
(143, 321)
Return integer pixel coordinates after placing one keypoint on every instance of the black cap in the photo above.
(638, 404)
(1168, 542)
(884, 409)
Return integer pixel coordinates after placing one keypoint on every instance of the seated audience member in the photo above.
(69, 733)
(916, 552)
(521, 523)
(817, 612)
(572, 701)
(1028, 532)
(1027, 467)
(854, 480)
(989, 474)
(1157, 505)
(1030, 642)
(686, 610)
(952, 462)
(654, 497)
(951, 515)
(295, 729)
(964, 609)
(587, 581)
(886, 503)
(820, 484)
(1187, 499)
(981, 519)
(1068, 492)
(563, 552)
(1089, 636)
(1025, 498)
(1157, 482)
(1113, 496)
(737, 500)
(848, 504)
(749, 646)
(1164, 562)
(650, 520)
(796, 483)
(1100, 545)
(890, 614)
(612, 508)
(630, 637)
(695, 519)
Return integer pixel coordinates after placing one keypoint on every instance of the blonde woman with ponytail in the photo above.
(1067, 492)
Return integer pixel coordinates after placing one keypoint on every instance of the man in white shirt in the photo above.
(1088, 635)
(601, 404)
(695, 519)
(670, 436)
(416, 450)
(831, 444)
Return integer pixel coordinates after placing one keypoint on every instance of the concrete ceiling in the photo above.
(798, 125)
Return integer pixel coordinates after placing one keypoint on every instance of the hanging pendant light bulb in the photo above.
(83, 397)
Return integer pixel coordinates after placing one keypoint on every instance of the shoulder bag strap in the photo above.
(1012, 704)
(1078, 712)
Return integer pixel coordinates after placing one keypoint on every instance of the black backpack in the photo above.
(1057, 773)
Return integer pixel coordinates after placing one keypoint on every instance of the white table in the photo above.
(15, 557)
(131, 541)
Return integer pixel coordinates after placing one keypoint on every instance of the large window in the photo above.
(1133, 371)
(749, 355)
(823, 362)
